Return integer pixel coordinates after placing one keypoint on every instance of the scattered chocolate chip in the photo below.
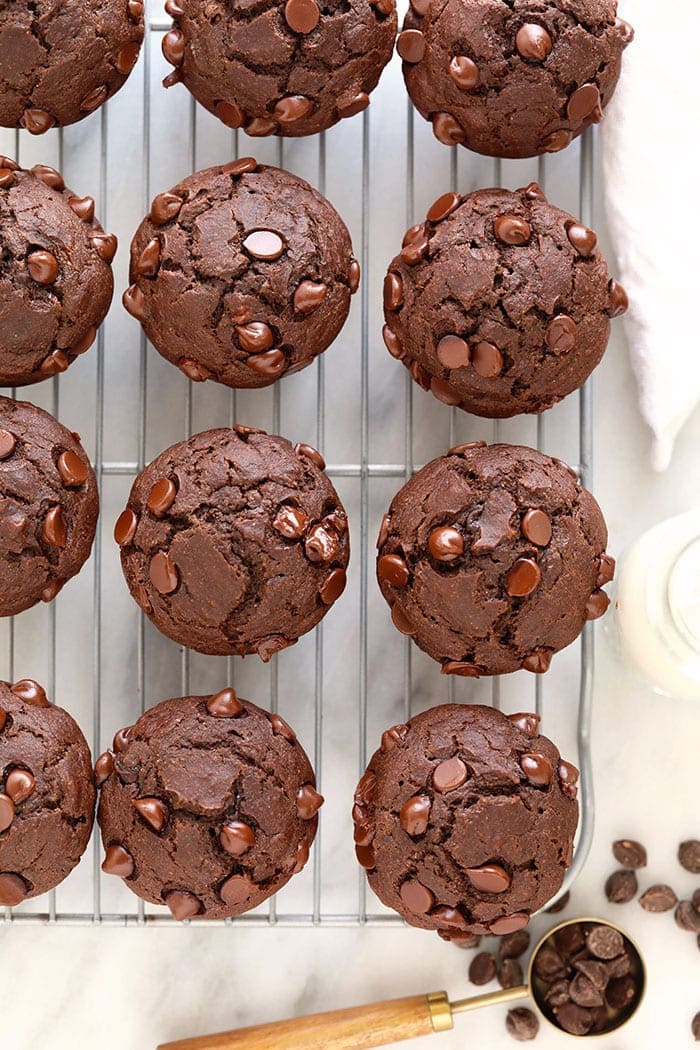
(695, 1027)
(513, 945)
(522, 1024)
(510, 973)
(482, 968)
(687, 918)
(689, 856)
(658, 898)
(621, 887)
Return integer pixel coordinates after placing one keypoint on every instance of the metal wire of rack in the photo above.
(129, 405)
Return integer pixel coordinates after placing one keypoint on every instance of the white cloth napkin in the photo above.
(650, 146)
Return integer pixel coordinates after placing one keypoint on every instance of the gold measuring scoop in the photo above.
(397, 1019)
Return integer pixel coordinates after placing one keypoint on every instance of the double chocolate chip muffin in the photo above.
(465, 820)
(207, 805)
(492, 558)
(56, 280)
(48, 506)
(282, 67)
(513, 79)
(47, 794)
(499, 302)
(59, 62)
(241, 273)
(234, 541)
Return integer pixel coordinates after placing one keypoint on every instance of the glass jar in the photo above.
(657, 606)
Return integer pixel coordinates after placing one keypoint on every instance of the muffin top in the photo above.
(241, 273)
(48, 505)
(47, 793)
(514, 79)
(208, 805)
(492, 559)
(283, 67)
(56, 281)
(465, 819)
(60, 61)
(499, 302)
(234, 541)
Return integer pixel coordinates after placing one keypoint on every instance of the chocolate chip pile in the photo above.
(622, 886)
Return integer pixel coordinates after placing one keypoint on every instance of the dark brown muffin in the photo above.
(56, 281)
(492, 558)
(276, 67)
(60, 61)
(47, 794)
(48, 506)
(513, 79)
(465, 820)
(241, 274)
(499, 302)
(234, 542)
(208, 805)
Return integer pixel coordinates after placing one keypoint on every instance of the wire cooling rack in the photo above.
(355, 675)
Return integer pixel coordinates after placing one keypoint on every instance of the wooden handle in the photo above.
(360, 1026)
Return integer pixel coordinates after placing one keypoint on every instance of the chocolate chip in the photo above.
(311, 454)
(510, 923)
(173, 47)
(443, 207)
(392, 569)
(621, 992)
(126, 58)
(54, 530)
(689, 856)
(302, 16)
(415, 251)
(55, 362)
(125, 528)
(36, 121)
(568, 778)
(264, 244)
(292, 108)
(19, 785)
(446, 543)
(537, 768)
(487, 360)
(536, 527)
(510, 973)
(526, 722)
(290, 522)
(562, 334)
(512, 230)
(482, 968)
(94, 99)
(574, 1019)
(416, 897)
(242, 166)
(629, 853)
(183, 905)
(583, 102)
(464, 73)
(559, 905)
(415, 815)
(549, 965)
(322, 544)
(163, 573)
(393, 737)
(161, 497)
(8, 442)
(357, 104)
(695, 1027)
(533, 42)
(309, 295)
(86, 342)
(605, 942)
(522, 1024)
(687, 918)
(597, 605)
(596, 972)
(84, 207)
(7, 178)
(621, 887)
(333, 586)
(152, 810)
(118, 861)
(165, 208)
(523, 578)
(392, 342)
(224, 704)
(104, 767)
(558, 993)
(488, 878)
(582, 239)
(619, 301)
(393, 291)
(7, 812)
(148, 261)
(411, 45)
(513, 945)
(308, 802)
(450, 774)
(135, 302)
(121, 739)
(447, 129)
(237, 838)
(43, 267)
(583, 992)
(271, 363)
(13, 889)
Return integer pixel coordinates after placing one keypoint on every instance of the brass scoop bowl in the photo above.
(397, 1019)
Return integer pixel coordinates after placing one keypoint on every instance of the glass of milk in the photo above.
(657, 606)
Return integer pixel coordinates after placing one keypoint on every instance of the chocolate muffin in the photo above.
(272, 67)
(465, 820)
(48, 506)
(241, 273)
(59, 62)
(514, 79)
(56, 280)
(234, 541)
(208, 805)
(492, 558)
(499, 302)
(47, 794)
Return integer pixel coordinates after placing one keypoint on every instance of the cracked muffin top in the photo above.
(282, 67)
(241, 273)
(47, 793)
(60, 61)
(512, 78)
(465, 820)
(207, 805)
(48, 506)
(56, 280)
(499, 303)
(234, 541)
(492, 559)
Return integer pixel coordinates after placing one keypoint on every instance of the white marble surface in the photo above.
(132, 988)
